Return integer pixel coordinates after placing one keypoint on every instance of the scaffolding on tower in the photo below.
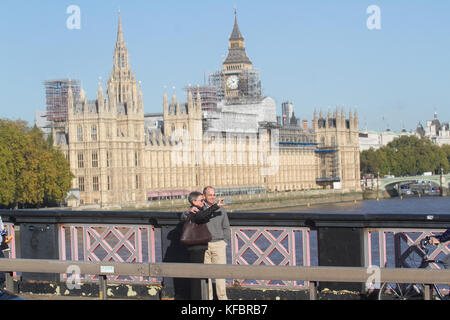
(56, 92)
(249, 86)
(208, 96)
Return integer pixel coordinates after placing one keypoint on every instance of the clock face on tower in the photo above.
(233, 82)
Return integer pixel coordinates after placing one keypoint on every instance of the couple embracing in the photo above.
(206, 210)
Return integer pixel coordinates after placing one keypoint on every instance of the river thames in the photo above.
(426, 205)
(412, 205)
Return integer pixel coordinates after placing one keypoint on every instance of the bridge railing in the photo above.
(270, 239)
(179, 270)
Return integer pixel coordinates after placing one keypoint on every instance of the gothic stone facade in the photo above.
(117, 161)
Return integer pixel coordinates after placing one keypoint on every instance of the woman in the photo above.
(199, 215)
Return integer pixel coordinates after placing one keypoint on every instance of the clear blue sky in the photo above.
(317, 54)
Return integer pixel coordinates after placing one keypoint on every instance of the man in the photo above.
(219, 226)
(440, 239)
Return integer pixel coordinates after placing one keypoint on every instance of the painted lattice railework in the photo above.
(397, 248)
(400, 248)
(108, 243)
(272, 247)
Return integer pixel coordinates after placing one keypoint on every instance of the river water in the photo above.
(426, 205)
(412, 204)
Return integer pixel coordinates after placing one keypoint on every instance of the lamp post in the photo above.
(443, 189)
(378, 184)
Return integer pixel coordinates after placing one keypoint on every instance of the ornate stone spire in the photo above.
(122, 82)
(120, 31)
(121, 51)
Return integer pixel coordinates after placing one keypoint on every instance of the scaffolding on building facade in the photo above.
(216, 80)
(56, 92)
(208, 96)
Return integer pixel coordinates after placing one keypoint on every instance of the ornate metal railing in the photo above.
(108, 243)
(270, 247)
(273, 239)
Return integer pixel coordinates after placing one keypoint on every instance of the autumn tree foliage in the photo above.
(33, 173)
(407, 155)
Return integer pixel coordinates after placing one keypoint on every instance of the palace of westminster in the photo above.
(226, 135)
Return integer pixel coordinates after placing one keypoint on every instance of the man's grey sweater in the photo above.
(219, 225)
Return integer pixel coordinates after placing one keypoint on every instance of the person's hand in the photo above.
(220, 202)
(8, 239)
(193, 210)
(434, 241)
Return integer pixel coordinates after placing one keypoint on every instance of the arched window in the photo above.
(94, 132)
(80, 133)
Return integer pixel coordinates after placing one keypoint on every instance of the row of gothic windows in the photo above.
(94, 133)
(82, 184)
(95, 163)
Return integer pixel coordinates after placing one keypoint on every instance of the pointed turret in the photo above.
(189, 98)
(121, 51)
(236, 33)
(120, 38)
(100, 99)
(199, 101)
(236, 52)
(165, 103)
(100, 90)
(140, 99)
(83, 99)
(82, 95)
(174, 98)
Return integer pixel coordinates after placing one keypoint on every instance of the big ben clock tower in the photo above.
(236, 67)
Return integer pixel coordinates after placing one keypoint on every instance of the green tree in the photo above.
(7, 181)
(407, 155)
(33, 172)
(13, 138)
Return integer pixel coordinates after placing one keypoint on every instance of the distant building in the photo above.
(41, 121)
(378, 139)
(287, 111)
(436, 131)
